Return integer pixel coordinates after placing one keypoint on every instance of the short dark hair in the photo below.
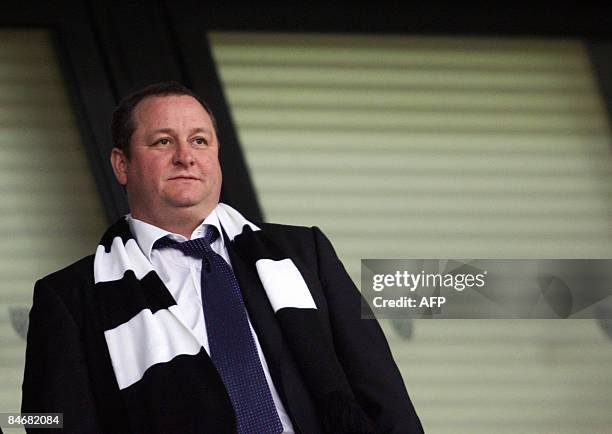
(122, 124)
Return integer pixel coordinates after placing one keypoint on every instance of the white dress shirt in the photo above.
(181, 275)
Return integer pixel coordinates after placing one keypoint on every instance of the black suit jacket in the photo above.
(68, 365)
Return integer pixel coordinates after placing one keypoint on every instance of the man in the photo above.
(191, 319)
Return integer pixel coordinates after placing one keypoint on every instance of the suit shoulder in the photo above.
(305, 242)
(80, 271)
(281, 229)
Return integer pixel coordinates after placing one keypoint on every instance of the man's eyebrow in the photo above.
(172, 131)
(201, 130)
(162, 130)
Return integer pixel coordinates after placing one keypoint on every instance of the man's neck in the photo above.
(182, 223)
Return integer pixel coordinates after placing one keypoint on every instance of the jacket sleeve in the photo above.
(56, 378)
(363, 350)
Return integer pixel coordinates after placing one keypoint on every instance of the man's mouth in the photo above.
(184, 177)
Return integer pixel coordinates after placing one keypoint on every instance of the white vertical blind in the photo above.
(50, 212)
(423, 147)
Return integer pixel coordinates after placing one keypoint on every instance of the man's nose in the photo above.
(183, 154)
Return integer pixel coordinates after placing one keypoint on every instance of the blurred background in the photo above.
(411, 132)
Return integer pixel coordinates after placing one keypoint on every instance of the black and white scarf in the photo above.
(142, 327)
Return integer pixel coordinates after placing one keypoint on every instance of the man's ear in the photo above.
(120, 165)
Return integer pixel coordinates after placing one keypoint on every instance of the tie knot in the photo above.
(198, 247)
(212, 233)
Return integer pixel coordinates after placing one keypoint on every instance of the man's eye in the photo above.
(163, 141)
(200, 141)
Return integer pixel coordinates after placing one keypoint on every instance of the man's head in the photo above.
(166, 155)
(122, 124)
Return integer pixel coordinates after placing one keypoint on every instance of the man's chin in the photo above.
(185, 204)
(188, 203)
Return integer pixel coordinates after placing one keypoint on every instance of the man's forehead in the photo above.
(170, 105)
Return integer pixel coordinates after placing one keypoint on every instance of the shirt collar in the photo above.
(146, 234)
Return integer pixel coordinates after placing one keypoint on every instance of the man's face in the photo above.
(173, 167)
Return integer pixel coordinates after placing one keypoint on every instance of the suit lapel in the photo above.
(244, 251)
